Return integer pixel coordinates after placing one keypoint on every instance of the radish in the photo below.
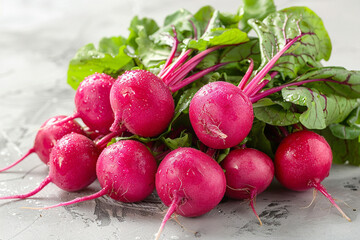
(221, 114)
(302, 161)
(190, 182)
(248, 173)
(142, 101)
(72, 165)
(92, 102)
(47, 136)
(126, 172)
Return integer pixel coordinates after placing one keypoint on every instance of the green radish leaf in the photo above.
(275, 112)
(322, 109)
(248, 50)
(258, 140)
(277, 28)
(219, 33)
(344, 150)
(222, 153)
(348, 129)
(257, 9)
(150, 53)
(348, 81)
(111, 58)
(184, 140)
(145, 24)
(180, 20)
(344, 132)
(201, 19)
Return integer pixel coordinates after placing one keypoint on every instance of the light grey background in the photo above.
(37, 40)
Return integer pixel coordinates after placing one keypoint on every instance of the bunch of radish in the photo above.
(127, 118)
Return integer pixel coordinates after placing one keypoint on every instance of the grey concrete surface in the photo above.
(37, 40)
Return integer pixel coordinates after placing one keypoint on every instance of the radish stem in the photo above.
(171, 210)
(31, 150)
(45, 182)
(247, 75)
(101, 193)
(252, 200)
(322, 189)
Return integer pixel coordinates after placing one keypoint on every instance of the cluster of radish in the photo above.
(188, 181)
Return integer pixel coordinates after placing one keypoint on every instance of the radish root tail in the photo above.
(322, 189)
(253, 203)
(175, 203)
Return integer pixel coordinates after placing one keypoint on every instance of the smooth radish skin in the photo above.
(92, 103)
(142, 103)
(72, 165)
(248, 173)
(221, 115)
(302, 161)
(126, 172)
(47, 137)
(190, 183)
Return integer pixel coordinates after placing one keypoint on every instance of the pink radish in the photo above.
(92, 102)
(221, 114)
(190, 182)
(126, 172)
(248, 173)
(72, 165)
(142, 101)
(47, 136)
(302, 161)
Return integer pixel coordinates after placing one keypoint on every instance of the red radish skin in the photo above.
(302, 161)
(47, 136)
(190, 182)
(72, 165)
(126, 172)
(208, 108)
(92, 102)
(248, 173)
(142, 103)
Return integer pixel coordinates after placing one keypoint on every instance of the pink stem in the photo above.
(45, 182)
(69, 118)
(298, 126)
(172, 53)
(178, 75)
(254, 82)
(273, 74)
(247, 75)
(170, 70)
(260, 86)
(252, 199)
(211, 152)
(266, 93)
(190, 65)
(318, 186)
(31, 150)
(284, 131)
(106, 139)
(174, 205)
(195, 29)
(101, 193)
(195, 76)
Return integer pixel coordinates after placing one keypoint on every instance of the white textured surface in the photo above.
(39, 37)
